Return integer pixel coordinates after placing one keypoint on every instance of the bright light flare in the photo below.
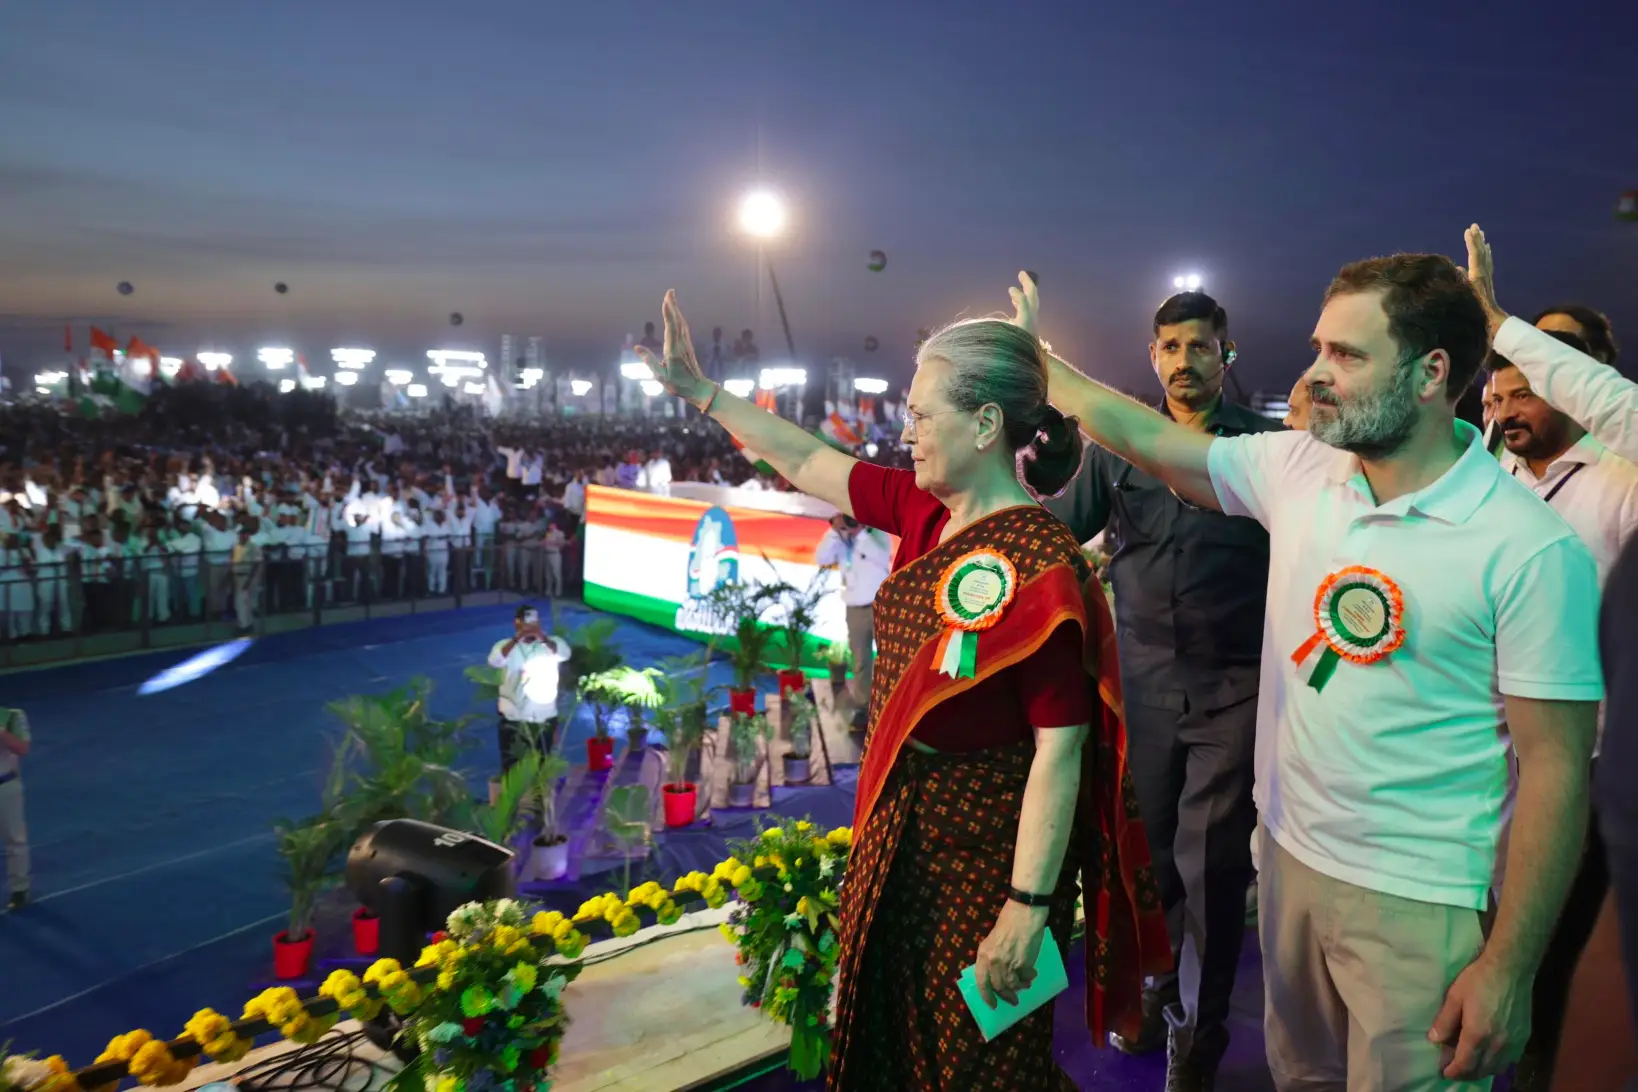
(870, 386)
(353, 358)
(274, 357)
(774, 378)
(212, 361)
(417, 390)
(739, 388)
(1189, 282)
(762, 214)
(346, 379)
(286, 386)
(580, 387)
(474, 388)
(636, 369)
(399, 376)
(652, 387)
(195, 667)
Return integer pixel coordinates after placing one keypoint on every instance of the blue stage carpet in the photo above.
(151, 817)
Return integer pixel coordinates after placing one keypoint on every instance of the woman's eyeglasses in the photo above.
(912, 420)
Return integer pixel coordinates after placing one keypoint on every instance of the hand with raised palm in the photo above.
(678, 370)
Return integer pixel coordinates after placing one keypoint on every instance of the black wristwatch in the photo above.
(1026, 898)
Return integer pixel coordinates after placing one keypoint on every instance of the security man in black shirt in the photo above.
(1190, 590)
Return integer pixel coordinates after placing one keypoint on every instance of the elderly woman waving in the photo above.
(992, 789)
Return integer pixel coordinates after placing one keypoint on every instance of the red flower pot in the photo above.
(291, 958)
(471, 1026)
(366, 932)
(791, 680)
(742, 701)
(681, 804)
(599, 753)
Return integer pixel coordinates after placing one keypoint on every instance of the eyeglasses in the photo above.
(912, 420)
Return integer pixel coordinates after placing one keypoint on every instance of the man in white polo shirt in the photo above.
(1424, 609)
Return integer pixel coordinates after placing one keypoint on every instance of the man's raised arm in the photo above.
(1149, 441)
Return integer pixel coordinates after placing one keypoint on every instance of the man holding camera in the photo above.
(864, 558)
(531, 662)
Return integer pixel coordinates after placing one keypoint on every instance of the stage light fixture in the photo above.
(274, 357)
(870, 386)
(580, 387)
(739, 388)
(412, 875)
(636, 369)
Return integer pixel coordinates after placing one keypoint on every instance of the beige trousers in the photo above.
(1352, 980)
(14, 835)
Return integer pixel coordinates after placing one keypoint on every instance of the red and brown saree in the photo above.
(934, 836)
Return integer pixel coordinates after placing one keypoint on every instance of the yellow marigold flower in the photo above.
(572, 944)
(448, 1083)
(524, 976)
(545, 923)
(669, 913)
(564, 928)
(803, 826)
(841, 836)
(820, 847)
(625, 923)
(724, 869)
(728, 933)
(446, 979)
(771, 833)
(741, 876)
(380, 969)
(759, 861)
(802, 905)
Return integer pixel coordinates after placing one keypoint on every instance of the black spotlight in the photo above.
(413, 874)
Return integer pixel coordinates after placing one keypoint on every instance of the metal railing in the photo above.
(87, 606)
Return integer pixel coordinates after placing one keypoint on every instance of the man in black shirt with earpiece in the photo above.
(1190, 592)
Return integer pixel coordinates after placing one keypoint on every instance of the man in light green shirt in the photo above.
(14, 744)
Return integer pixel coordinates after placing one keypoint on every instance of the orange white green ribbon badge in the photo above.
(1359, 616)
(973, 593)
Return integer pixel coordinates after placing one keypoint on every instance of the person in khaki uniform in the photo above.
(14, 744)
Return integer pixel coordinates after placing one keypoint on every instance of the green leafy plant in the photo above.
(620, 688)
(627, 815)
(500, 820)
(839, 655)
(486, 682)
(395, 760)
(683, 714)
(308, 850)
(744, 734)
(592, 649)
(550, 768)
(801, 614)
(740, 607)
(802, 720)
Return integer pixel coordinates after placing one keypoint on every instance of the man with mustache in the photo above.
(1424, 611)
(1189, 590)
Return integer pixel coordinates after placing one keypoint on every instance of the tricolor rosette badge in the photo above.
(973, 593)
(1359, 616)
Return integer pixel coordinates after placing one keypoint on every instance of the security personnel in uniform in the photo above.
(1190, 587)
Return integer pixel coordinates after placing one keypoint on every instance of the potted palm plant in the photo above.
(681, 720)
(592, 650)
(801, 607)
(608, 691)
(802, 722)
(745, 734)
(739, 608)
(838, 658)
(626, 815)
(500, 821)
(549, 852)
(307, 852)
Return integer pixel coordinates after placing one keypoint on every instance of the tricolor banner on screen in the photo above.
(652, 558)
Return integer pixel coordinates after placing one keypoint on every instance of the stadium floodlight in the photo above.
(474, 388)
(170, 362)
(636, 369)
(286, 386)
(212, 361)
(870, 386)
(315, 382)
(762, 214)
(275, 357)
(739, 388)
(580, 387)
(652, 387)
(774, 378)
(417, 390)
(399, 376)
(455, 356)
(46, 379)
(346, 379)
(1190, 282)
(353, 358)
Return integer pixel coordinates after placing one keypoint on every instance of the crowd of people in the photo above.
(219, 501)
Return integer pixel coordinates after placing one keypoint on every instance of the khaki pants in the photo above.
(14, 835)
(1353, 979)
(861, 640)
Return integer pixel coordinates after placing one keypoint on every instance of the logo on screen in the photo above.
(713, 559)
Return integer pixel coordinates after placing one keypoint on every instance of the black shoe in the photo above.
(18, 900)
(1151, 1034)
(1189, 1074)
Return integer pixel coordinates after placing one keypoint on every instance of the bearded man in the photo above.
(1424, 609)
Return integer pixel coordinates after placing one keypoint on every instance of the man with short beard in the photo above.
(1424, 609)
(1189, 588)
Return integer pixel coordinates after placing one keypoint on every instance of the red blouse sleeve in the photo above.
(881, 496)
(1056, 689)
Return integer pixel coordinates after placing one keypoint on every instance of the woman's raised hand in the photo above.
(1026, 304)
(679, 371)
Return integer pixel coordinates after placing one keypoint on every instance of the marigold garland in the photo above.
(793, 850)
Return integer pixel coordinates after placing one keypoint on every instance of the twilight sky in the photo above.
(550, 168)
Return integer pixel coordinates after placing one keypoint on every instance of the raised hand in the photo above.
(1481, 274)
(1026, 304)
(679, 370)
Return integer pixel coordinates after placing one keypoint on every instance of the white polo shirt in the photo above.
(1594, 489)
(1393, 777)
